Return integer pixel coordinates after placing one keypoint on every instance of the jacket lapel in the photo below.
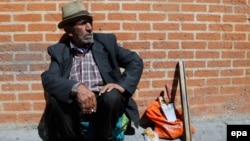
(102, 61)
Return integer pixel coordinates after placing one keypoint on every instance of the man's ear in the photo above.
(68, 31)
(70, 34)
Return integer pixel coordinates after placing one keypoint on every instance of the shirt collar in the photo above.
(83, 50)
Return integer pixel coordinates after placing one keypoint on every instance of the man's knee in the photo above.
(111, 99)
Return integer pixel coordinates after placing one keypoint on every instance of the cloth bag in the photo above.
(118, 133)
(164, 128)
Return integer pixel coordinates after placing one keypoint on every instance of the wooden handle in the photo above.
(184, 101)
(168, 92)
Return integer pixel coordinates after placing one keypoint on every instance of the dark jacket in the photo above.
(109, 58)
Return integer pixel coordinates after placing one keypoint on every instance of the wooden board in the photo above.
(184, 102)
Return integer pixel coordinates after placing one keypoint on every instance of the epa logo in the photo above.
(238, 132)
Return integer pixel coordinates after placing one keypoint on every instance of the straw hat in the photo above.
(72, 11)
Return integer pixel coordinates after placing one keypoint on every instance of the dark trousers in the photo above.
(62, 120)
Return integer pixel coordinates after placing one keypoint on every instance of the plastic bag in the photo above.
(150, 135)
(163, 127)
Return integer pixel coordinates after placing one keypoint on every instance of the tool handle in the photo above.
(168, 92)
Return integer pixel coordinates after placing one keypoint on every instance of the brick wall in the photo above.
(211, 36)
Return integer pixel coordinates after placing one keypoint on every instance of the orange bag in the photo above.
(164, 128)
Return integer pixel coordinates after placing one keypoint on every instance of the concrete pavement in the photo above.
(205, 131)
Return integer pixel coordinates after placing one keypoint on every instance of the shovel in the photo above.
(168, 108)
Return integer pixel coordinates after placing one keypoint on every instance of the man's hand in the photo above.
(86, 99)
(111, 86)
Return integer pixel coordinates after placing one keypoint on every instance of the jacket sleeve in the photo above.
(55, 80)
(129, 60)
(133, 67)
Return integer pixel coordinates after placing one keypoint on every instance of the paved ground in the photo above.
(206, 131)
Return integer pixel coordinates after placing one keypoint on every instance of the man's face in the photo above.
(81, 32)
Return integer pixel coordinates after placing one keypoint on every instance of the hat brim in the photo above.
(66, 21)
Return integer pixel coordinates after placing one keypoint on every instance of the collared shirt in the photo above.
(84, 70)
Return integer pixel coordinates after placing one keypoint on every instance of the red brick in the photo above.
(208, 36)
(41, 7)
(42, 27)
(195, 64)
(14, 87)
(152, 17)
(180, 36)
(12, 28)
(136, 45)
(136, 26)
(152, 36)
(207, 54)
(193, 45)
(29, 57)
(238, 2)
(241, 63)
(122, 16)
(233, 54)
(220, 8)
(218, 82)
(165, 45)
(193, 7)
(8, 118)
(219, 63)
(28, 96)
(153, 55)
(29, 117)
(234, 36)
(210, 18)
(143, 85)
(220, 45)
(206, 73)
(240, 81)
(37, 86)
(136, 7)
(24, 106)
(100, 26)
(6, 58)
(208, 1)
(12, 7)
(7, 97)
(232, 72)
(163, 64)
(166, 7)
(6, 78)
(38, 67)
(28, 37)
(180, 17)
(126, 36)
(13, 67)
(8, 47)
(244, 28)
(5, 38)
(28, 17)
(53, 37)
(156, 74)
(234, 18)
(5, 18)
(196, 82)
(220, 27)
(195, 27)
(53, 17)
(39, 106)
(166, 26)
(180, 54)
(105, 7)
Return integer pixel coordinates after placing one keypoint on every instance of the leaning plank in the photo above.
(184, 102)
